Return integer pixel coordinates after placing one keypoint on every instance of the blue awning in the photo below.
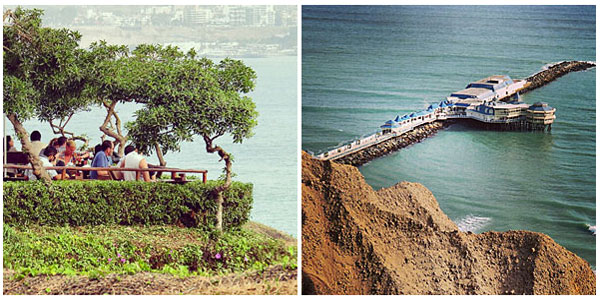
(389, 124)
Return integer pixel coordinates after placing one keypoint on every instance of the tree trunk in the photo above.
(159, 154)
(38, 169)
(221, 188)
(161, 159)
(120, 139)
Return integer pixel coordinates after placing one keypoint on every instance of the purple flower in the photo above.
(122, 260)
(218, 256)
(118, 254)
(171, 251)
(110, 259)
(246, 258)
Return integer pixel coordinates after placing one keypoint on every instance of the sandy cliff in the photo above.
(397, 241)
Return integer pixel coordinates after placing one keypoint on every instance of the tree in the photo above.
(42, 69)
(187, 97)
(114, 79)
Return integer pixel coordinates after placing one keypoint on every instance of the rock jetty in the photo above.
(555, 71)
(397, 240)
(411, 137)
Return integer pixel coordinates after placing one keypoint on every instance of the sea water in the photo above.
(268, 159)
(364, 65)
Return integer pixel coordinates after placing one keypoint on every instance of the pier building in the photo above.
(485, 101)
(540, 115)
(494, 87)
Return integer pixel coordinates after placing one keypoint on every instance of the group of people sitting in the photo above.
(132, 159)
(62, 152)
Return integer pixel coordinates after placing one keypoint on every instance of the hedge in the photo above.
(80, 203)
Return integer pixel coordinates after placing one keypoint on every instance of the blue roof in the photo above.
(389, 124)
(397, 119)
(412, 115)
(430, 107)
(443, 104)
(462, 104)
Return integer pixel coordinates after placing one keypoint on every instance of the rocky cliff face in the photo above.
(397, 241)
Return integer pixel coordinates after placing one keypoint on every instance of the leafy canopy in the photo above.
(186, 96)
(44, 73)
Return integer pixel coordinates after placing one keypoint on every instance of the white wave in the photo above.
(472, 223)
(592, 229)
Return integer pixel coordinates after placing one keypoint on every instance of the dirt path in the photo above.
(275, 280)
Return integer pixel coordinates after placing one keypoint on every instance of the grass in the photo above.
(96, 251)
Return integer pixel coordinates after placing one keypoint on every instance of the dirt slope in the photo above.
(397, 241)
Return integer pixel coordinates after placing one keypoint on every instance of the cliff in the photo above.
(398, 241)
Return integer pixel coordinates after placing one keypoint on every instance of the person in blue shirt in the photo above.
(102, 159)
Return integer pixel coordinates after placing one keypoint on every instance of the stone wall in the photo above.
(414, 136)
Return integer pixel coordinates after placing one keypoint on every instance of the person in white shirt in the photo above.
(47, 159)
(133, 159)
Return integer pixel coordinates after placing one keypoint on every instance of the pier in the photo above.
(491, 103)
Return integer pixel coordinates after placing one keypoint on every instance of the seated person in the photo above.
(58, 143)
(133, 159)
(69, 156)
(10, 144)
(102, 160)
(47, 159)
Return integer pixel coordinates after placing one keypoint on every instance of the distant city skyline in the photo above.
(213, 30)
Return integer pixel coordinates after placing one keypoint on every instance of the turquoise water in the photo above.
(268, 159)
(364, 65)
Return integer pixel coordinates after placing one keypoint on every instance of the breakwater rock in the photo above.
(414, 136)
(552, 73)
(397, 240)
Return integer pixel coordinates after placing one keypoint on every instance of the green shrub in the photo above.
(99, 250)
(124, 202)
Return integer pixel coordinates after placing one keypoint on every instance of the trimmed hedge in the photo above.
(79, 203)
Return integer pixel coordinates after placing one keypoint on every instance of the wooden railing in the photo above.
(177, 175)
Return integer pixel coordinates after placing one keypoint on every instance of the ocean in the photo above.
(364, 65)
(268, 159)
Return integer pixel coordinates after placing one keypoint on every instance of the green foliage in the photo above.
(44, 74)
(123, 202)
(185, 96)
(98, 250)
